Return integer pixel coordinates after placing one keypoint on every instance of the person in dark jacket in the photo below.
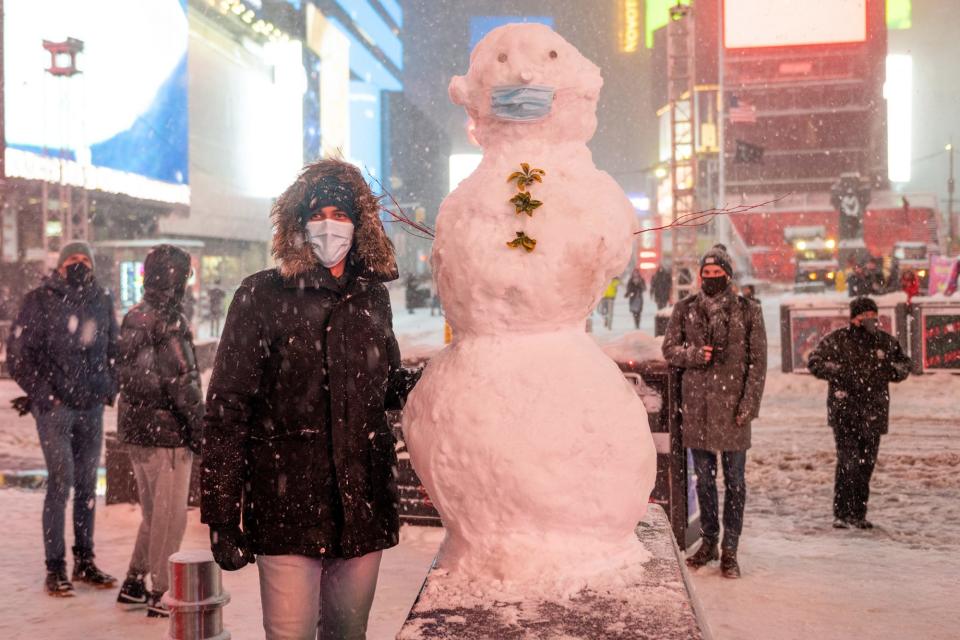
(636, 287)
(718, 340)
(298, 456)
(215, 297)
(160, 420)
(660, 285)
(859, 361)
(61, 351)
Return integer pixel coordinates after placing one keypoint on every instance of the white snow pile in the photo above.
(531, 445)
(636, 346)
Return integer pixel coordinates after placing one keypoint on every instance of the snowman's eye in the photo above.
(502, 57)
(553, 55)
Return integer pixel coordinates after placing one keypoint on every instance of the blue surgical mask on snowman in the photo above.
(521, 102)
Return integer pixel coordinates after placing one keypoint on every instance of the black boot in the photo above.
(729, 567)
(84, 570)
(706, 553)
(57, 584)
(155, 606)
(133, 593)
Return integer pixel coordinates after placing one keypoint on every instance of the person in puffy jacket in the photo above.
(298, 456)
(61, 351)
(160, 420)
(859, 361)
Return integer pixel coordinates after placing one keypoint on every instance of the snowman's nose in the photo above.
(526, 77)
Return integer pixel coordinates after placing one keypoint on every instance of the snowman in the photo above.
(529, 441)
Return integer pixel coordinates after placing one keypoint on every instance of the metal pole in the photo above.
(951, 185)
(723, 223)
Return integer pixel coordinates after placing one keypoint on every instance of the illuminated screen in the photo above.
(780, 23)
(125, 113)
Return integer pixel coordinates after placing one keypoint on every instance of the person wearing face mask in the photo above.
(160, 420)
(718, 341)
(61, 351)
(859, 361)
(298, 456)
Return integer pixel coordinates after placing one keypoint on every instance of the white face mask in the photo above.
(331, 240)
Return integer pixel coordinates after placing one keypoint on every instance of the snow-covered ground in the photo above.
(802, 579)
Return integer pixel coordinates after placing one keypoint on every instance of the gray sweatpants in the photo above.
(163, 481)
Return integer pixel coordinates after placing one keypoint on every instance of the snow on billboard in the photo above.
(121, 123)
(784, 23)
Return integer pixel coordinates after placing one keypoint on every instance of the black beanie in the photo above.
(718, 255)
(862, 305)
(329, 191)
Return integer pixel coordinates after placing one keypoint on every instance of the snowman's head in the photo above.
(525, 80)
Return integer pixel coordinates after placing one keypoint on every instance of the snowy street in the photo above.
(802, 578)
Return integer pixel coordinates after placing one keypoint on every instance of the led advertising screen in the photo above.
(120, 124)
(786, 23)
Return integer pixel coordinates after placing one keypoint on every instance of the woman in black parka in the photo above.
(298, 457)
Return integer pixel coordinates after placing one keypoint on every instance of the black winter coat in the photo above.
(296, 437)
(63, 345)
(859, 367)
(161, 403)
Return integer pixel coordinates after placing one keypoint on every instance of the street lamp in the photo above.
(63, 64)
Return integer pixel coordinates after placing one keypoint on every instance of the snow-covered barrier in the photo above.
(933, 334)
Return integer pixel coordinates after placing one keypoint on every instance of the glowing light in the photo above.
(630, 30)
(801, 245)
(830, 244)
(898, 90)
(777, 23)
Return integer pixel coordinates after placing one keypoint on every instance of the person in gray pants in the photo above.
(159, 422)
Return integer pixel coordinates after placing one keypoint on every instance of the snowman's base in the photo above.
(659, 605)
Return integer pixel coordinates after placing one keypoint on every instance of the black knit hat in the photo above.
(862, 305)
(330, 191)
(718, 255)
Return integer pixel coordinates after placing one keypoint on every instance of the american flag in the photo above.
(742, 111)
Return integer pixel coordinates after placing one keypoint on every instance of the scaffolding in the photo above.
(683, 162)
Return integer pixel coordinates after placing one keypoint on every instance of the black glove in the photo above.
(230, 548)
(21, 405)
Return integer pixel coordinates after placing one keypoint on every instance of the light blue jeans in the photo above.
(307, 598)
(71, 440)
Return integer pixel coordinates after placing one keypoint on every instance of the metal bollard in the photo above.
(196, 597)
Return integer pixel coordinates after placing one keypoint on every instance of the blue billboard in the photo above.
(482, 25)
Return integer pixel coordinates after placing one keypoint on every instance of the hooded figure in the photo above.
(160, 420)
(298, 456)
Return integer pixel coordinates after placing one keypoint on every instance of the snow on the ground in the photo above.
(27, 613)
(802, 579)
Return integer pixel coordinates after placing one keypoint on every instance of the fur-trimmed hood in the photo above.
(372, 250)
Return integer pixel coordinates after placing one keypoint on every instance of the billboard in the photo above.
(482, 25)
(786, 23)
(120, 125)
